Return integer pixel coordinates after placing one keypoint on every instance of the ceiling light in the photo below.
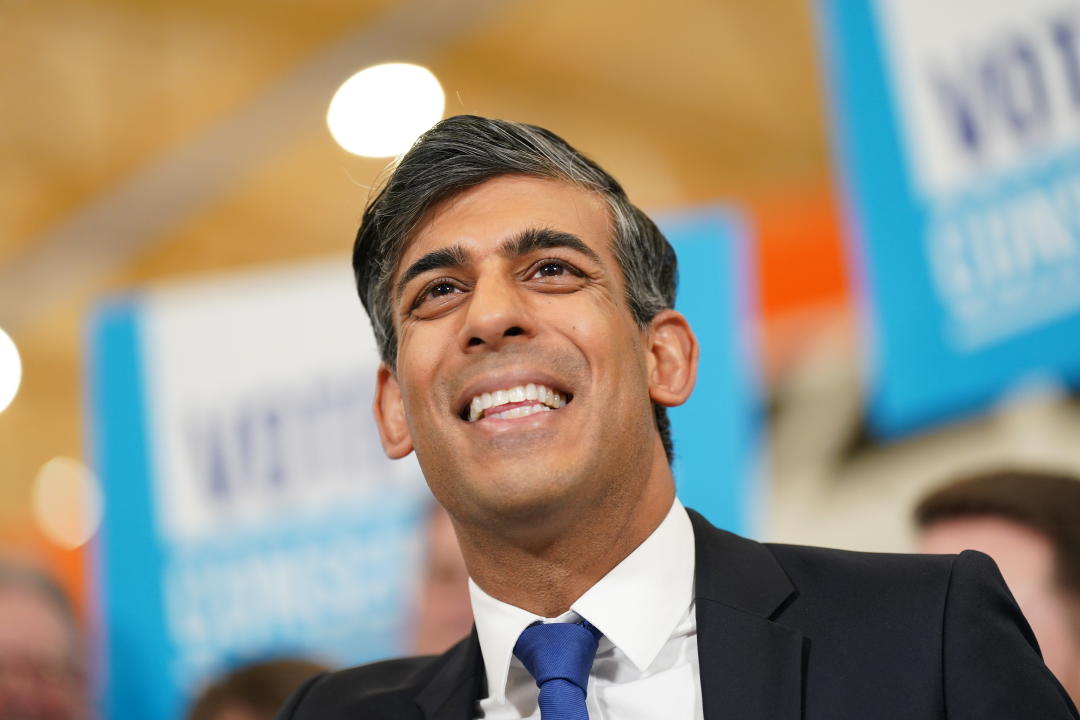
(67, 502)
(10, 370)
(380, 111)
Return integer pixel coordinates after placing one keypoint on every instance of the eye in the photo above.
(551, 268)
(554, 268)
(435, 291)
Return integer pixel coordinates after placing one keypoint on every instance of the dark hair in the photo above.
(1046, 502)
(259, 689)
(464, 151)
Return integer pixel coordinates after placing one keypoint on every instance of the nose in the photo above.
(497, 314)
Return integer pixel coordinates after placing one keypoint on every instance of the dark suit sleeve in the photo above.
(991, 662)
(288, 711)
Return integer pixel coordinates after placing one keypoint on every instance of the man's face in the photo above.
(523, 378)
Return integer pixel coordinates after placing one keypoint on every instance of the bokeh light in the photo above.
(67, 502)
(380, 111)
(10, 370)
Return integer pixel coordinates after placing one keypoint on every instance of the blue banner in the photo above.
(958, 133)
(716, 433)
(249, 509)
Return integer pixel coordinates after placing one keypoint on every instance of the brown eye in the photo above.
(436, 291)
(551, 269)
(554, 268)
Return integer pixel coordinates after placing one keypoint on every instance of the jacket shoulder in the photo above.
(878, 584)
(405, 688)
(802, 562)
(372, 690)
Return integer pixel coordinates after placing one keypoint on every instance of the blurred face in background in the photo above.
(1026, 560)
(444, 613)
(39, 674)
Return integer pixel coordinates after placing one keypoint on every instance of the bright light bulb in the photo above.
(10, 370)
(67, 502)
(380, 111)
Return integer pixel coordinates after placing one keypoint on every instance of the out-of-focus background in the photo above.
(172, 203)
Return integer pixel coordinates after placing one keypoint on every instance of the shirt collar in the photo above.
(636, 605)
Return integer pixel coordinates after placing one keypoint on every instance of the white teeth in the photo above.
(481, 405)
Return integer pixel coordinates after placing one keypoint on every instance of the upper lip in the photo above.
(504, 380)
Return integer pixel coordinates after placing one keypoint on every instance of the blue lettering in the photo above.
(1023, 93)
(207, 447)
(1063, 33)
(958, 104)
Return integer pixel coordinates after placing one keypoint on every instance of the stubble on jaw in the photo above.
(545, 573)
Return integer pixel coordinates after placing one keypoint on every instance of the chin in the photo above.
(517, 492)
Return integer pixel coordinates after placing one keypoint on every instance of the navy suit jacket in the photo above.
(787, 633)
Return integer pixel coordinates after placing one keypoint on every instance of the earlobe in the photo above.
(673, 358)
(390, 415)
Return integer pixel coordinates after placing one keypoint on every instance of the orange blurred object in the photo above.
(803, 281)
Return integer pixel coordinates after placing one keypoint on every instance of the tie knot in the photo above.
(558, 651)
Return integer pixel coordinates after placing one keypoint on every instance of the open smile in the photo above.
(512, 397)
(514, 402)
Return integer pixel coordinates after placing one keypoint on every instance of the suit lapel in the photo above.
(457, 685)
(751, 666)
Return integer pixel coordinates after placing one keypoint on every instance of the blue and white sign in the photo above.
(958, 126)
(249, 509)
(716, 433)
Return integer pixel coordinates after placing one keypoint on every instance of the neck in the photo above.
(546, 565)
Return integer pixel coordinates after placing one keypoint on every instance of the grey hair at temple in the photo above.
(464, 151)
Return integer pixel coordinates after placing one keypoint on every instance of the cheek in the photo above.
(426, 401)
(613, 349)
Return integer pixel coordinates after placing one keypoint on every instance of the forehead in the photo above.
(480, 218)
(1021, 553)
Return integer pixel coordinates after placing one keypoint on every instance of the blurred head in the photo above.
(443, 613)
(1029, 522)
(466, 151)
(253, 692)
(41, 669)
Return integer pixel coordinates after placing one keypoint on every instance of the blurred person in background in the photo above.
(443, 612)
(1029, 522)
(42, 675)
(252, 692)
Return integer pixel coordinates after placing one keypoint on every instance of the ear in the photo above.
(672, 358)
(390, 415)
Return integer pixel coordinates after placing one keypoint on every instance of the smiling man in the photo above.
(524, 310)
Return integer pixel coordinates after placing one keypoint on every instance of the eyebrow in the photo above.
(527, 241)
(533, 239)
(454, 256)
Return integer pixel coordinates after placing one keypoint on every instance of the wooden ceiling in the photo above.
(148, 141)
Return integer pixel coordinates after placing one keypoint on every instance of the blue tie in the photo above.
(559, 657)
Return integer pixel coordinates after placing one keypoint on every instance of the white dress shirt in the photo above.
(646, 664)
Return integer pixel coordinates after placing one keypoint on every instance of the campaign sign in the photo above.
(249, 508)
(958, 129)
(716, 432)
